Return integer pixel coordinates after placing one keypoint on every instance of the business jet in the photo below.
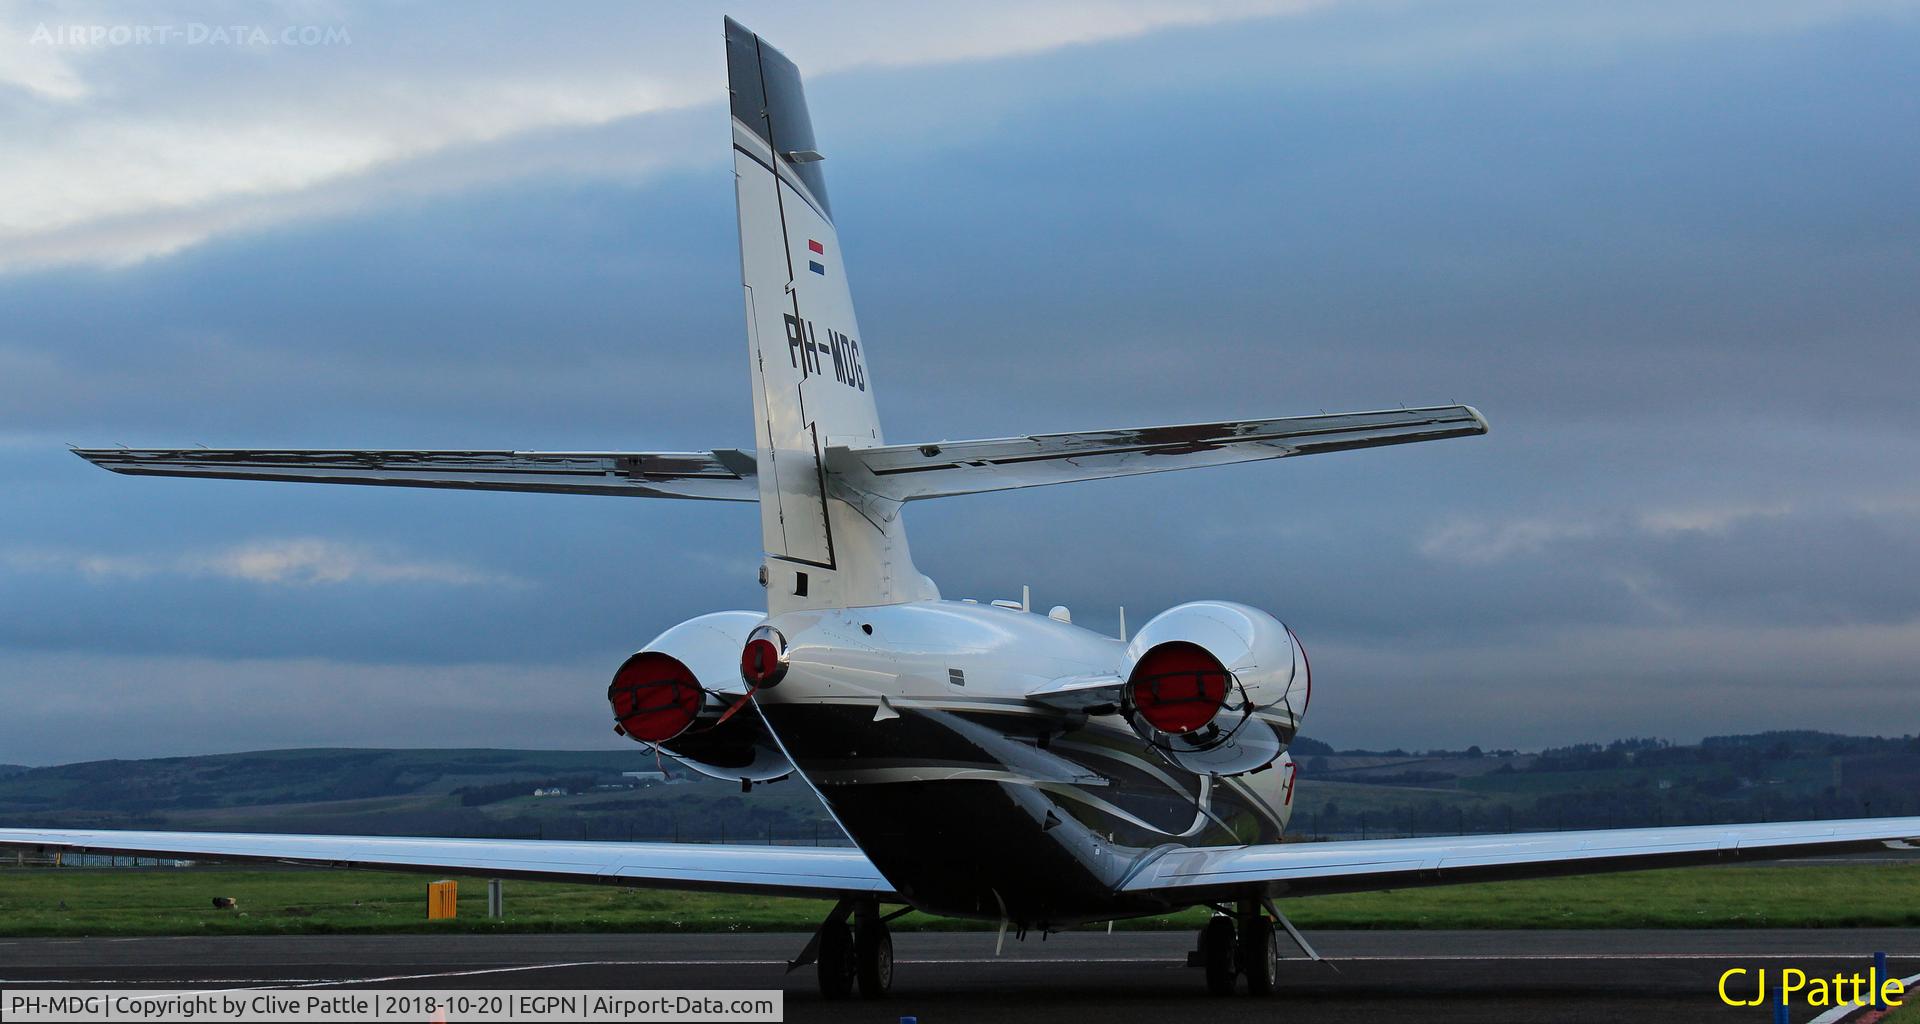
(987, 761)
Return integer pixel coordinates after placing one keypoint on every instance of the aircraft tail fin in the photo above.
(813, 387)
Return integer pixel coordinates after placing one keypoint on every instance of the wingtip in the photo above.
(102, 457)
(1477, 418)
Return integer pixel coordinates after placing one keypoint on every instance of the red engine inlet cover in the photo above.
(1177, 687)
(654, 697)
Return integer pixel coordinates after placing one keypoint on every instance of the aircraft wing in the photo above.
(909, 472)
(1304, 869)
(766, 870)
(1183, 875)
(723, 474)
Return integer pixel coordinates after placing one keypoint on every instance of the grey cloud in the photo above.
(1555, 686)
(90, 705)
(256, 135)
(1676, 276)
(296, 561)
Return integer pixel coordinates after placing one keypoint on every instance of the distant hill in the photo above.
(474, 792)
(1630, 782)
(1772, 776)
(11, 769)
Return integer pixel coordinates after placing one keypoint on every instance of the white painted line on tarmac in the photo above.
(460, 974)
(951, 961)
(147, 981)
(1845, 1010)
(1391, 958)
(1605, 956)
(945, 962)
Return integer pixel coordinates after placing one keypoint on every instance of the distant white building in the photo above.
(551, 791)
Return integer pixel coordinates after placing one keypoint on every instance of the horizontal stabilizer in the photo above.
(912, 471)
(725, 474)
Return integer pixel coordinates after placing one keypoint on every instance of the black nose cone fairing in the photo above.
(997, 814)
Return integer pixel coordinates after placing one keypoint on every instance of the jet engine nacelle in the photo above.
(1220, 686)
(674, 693)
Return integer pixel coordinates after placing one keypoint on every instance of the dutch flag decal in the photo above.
(817, 249)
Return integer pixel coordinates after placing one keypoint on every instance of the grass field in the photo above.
(160, 901)
(1908, 1013)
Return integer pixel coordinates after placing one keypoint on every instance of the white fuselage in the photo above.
(933, 654)
(914, 724)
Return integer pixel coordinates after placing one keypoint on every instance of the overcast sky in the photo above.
(1671, 250)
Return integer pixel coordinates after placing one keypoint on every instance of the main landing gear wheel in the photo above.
(873, 948)
(1217, 948)
(1259, 956)
(836, 963)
